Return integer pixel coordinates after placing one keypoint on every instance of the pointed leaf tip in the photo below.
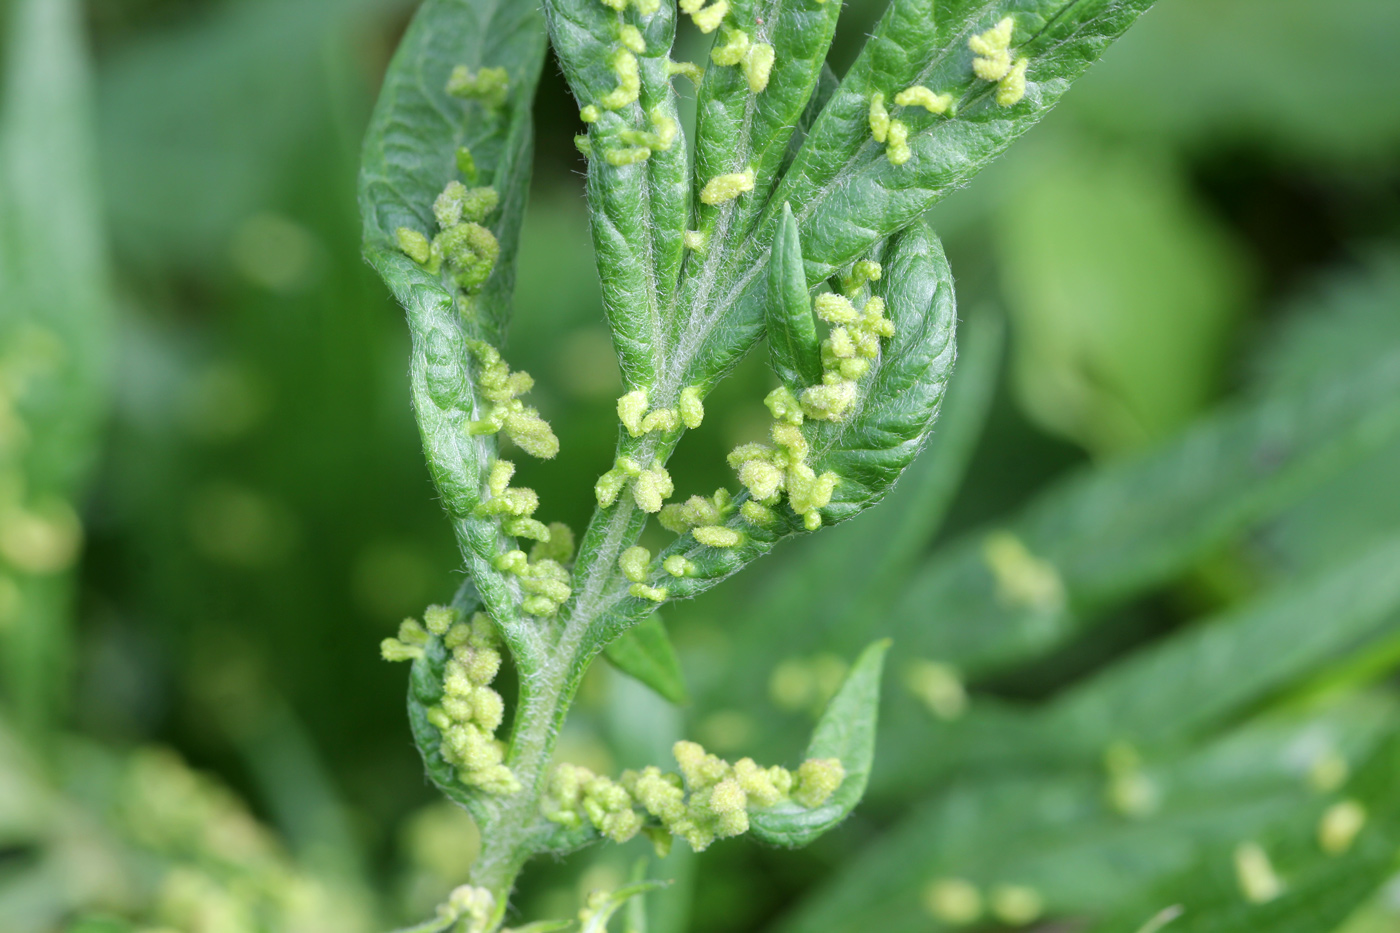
(846, 731)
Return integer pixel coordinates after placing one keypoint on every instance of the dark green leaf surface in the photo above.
(849, 196)
(897, 404)
(793, 347)
(738, 129)
(845, 731)
(410, 153)
(645, 652)
(638, 212)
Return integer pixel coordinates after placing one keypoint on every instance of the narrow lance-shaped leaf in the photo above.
(645, 652)
(792, 331)
(414, 143)
(1175, 690)
(422, 136)
(55, 336)
(618, 65)
(846, 731)
(847, 191)
(767, 58)
(893, 406)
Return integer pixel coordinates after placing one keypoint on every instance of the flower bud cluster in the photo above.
(769, 472)
(708, 799)
(501, 388)
(993, 62)
(650, 486)
(470, 711)
(467, 248)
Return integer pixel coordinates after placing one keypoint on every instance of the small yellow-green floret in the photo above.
(879, 117)
(691, 408)
(414, 244)
(733, 49)
(634, 563)
(758, 66)
(1012, 86)
(717, 536)
(817, 780)
(920, 96)
(724, 188)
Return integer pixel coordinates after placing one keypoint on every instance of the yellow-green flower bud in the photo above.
(996, 39)
(656, 594)
(757, 514)
(391, 649)
(763, 480)
(879, 117)
(411, 633)
(628, 155)
(706, 20)
(733, 49)
(631, 38)
(835, 309)
(694, 241)
(784, 405)
(629, 82)
(717, 536)
(590, 113)
(662, 419)
(630, 410)
(817, 780)
(439, 619)
(677, 566)
(634, 563)
(829, 401)
(897, 150)
(414, 245)
(920, 96)
(1012, 86)
(758, 66)
(692, 409)
(724, 188)
(687, 69)
(651, 487)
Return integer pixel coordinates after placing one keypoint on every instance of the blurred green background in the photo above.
(213, 503)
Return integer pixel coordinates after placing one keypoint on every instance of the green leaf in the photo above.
(1081, 856)
(411, 147)
(738, 129)
(639, 211)
(1176, 689)
(896, 406)
(56, 337)
(1318, 891)
(612, 901)
(847, 194)
(792, 332)
(1187, 498)
(851, 195)
(645, 652)
(411, 151)
(845, 731)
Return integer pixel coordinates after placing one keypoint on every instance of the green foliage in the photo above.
(685, 300)
(1132, 663)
